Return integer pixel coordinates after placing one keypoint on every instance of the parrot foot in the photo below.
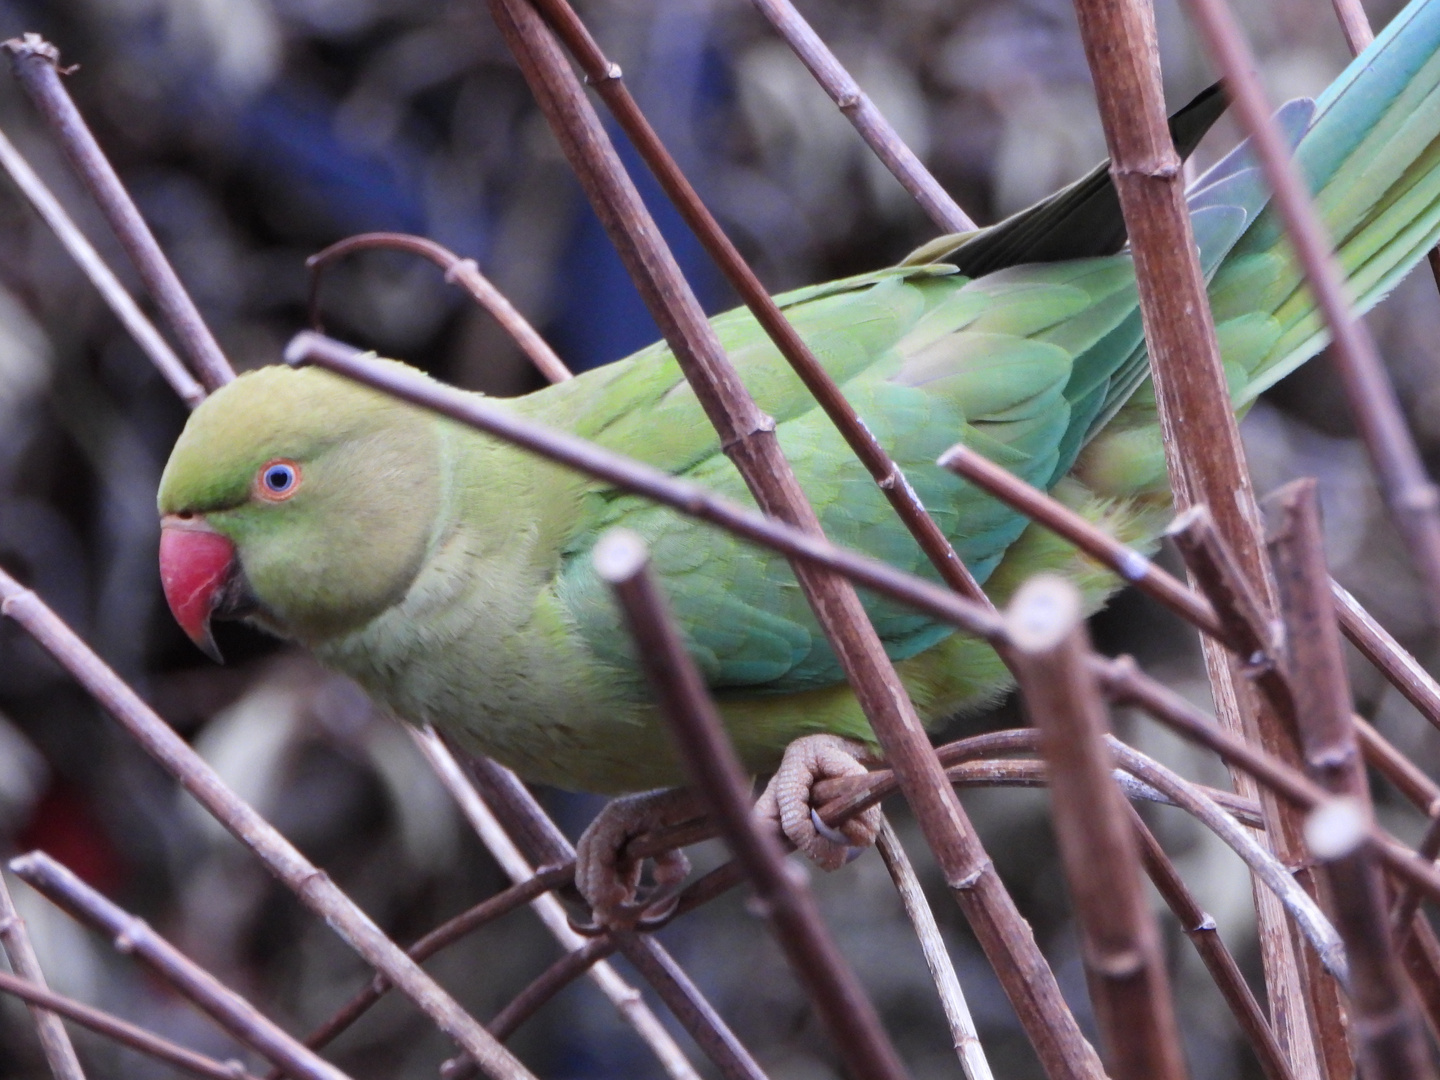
(609, 879)
(786, 799)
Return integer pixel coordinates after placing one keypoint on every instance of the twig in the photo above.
(1048, 511)
(133, 935)
(112, 1027)
(840, 797)
(1251, 634)
(1120, 940)
(748, 438)
(1302, 909)
(606, 78)
(963, 1035)
(315, 890)
(1419, 949)
(624, 997)
(37, 65)
(715, 772)
(464, 272)
(1394, 661)
(54, 1040)
(559, 975)
(1386, 1024)
(106, 283)
(1200, 928)
(1391, 1043)
(1354, 25)
(868, 120)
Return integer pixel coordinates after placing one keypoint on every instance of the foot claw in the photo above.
(786, 800)
(609, 879)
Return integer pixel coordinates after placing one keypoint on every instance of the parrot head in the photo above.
(297, 500)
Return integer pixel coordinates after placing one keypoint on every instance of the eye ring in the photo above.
(277, 480)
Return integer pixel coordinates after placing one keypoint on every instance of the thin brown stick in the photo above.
(1390, 1042)
(134, 936)
(1045, 510)
(605, 77)
(1216, 570)
(963, 1035)
(464, 272)
(1204, 457)
(1394, 661)
(714, 770)
(555, 978)
(1354, 25)
(1200, 928)
(1398, 666)
(314, 889)
(840, 797)
(1407, 777)
(1120, 939)
(127, 1034)
(1123, 682)
(37, 65)
(1420, 952)
(54, 1040)
(748, 438)
(106, 283)
(867, 119)
(1385, 1022)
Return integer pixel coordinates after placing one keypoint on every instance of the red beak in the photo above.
(195, 564)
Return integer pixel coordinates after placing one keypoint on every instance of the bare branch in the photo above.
(106, 283)
(963, 1035)
(54, 1040)
(1129, 986)
(464, 272)
(133, 935)
(620, 993)
(112, 1027)
(868, 120)
(37, 65)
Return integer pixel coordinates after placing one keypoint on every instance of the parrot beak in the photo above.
(197, 565)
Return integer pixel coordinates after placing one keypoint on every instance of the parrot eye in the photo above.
(278, 480)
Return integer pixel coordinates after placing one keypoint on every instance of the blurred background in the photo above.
(254, 132)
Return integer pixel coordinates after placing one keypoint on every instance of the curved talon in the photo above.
(829, 832)
(590, 928)
(835, 836)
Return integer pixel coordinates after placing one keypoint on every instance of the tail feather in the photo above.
(1371, 155)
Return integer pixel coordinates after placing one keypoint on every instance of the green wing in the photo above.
(927, 359)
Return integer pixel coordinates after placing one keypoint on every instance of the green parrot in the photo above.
(450, 574)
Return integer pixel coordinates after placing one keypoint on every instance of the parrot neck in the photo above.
(469, 617)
